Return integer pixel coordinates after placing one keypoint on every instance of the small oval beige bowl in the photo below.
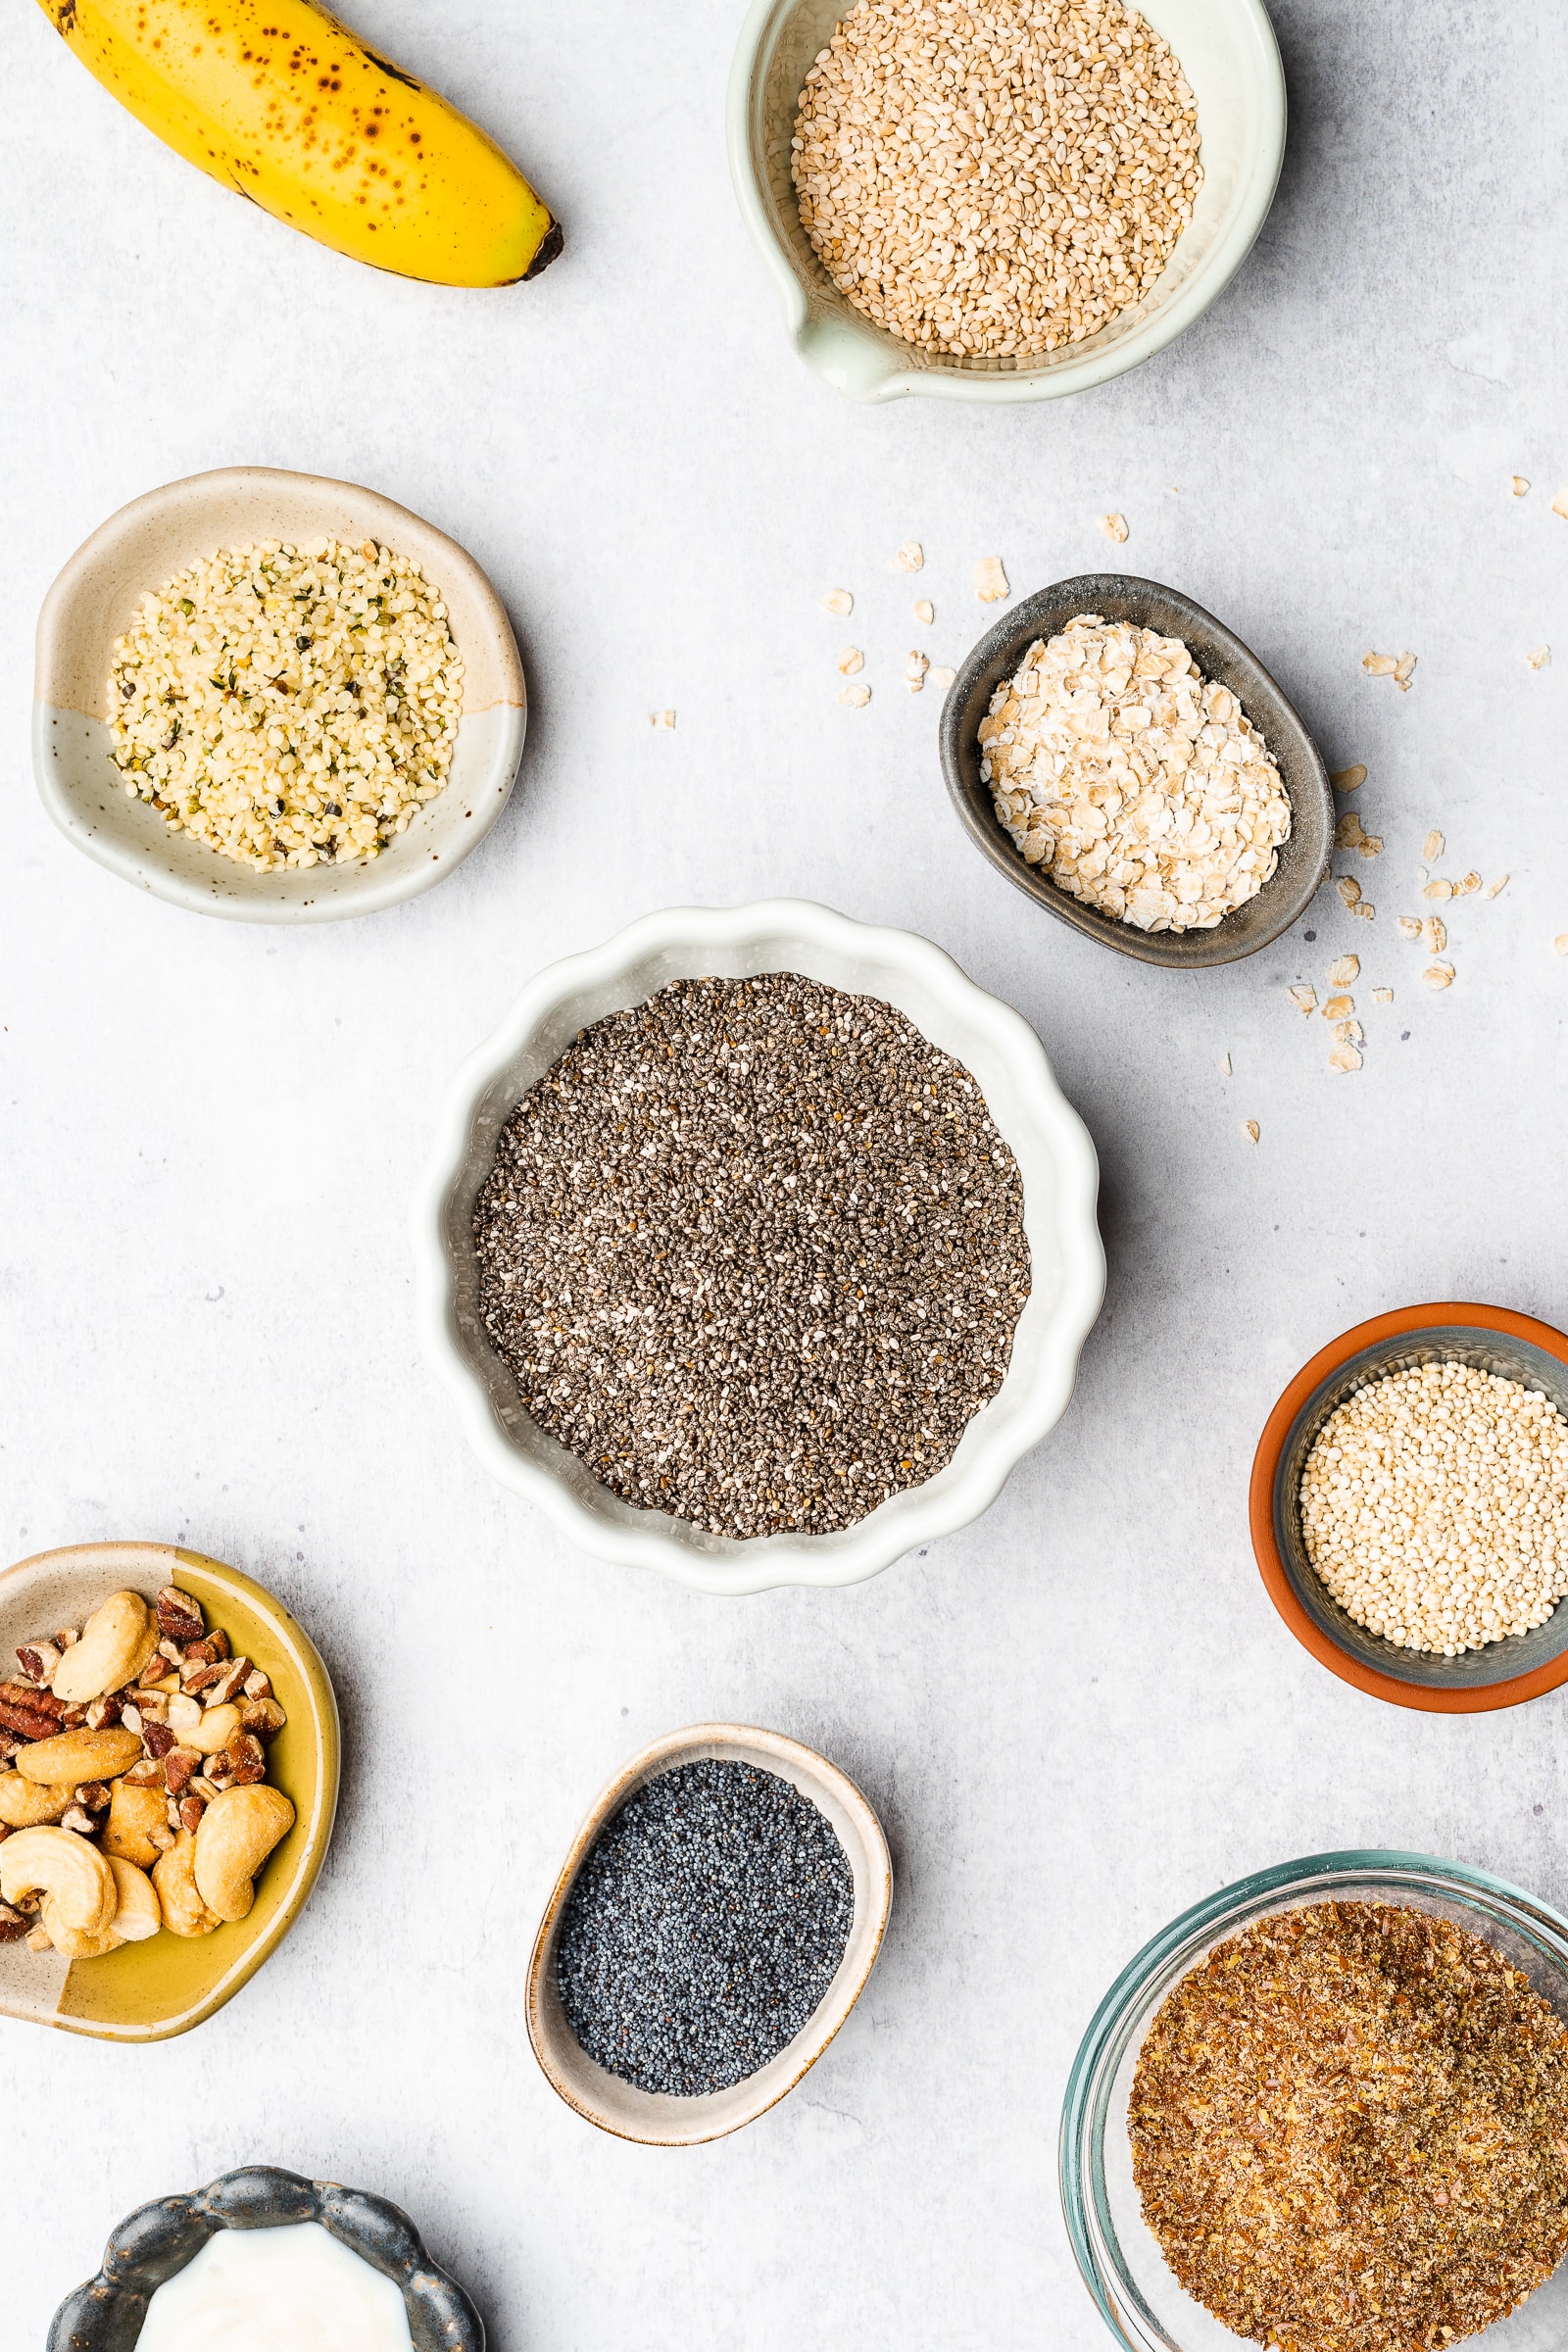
(145, 545)
(653, 2118)
(148, 1991)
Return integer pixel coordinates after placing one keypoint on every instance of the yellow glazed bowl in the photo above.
(149, 1991)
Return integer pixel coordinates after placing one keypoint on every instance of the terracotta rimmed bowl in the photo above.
(157, 2240)
(653, 2118)
(148, 1991)
(1303, 859)
(1492, 1339)
(92, 603)
(1232, 64)
(1049, 1142)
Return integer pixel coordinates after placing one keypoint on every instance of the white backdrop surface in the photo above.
(1080, 1714)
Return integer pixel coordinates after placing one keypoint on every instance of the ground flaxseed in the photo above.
(754, 1251)
(1350, 2131)
(704, 1929)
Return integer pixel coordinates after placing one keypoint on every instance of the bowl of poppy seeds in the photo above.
(711, 1928)
(758, 1245)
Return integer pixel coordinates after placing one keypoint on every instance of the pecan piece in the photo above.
(12, 1927)
(41, 1702)
(148, 1774)
(157, 1738)
(258, 1685)
(67, 1638)
(73, 1719)
(179, 1766)
(77, 1818)
(230, 1682)
(105, 1711)
(191, 1809)
(201, 1677)
(32, 1723)
(180, 1615)
(39, 1660)
(94, 1794)
(263, 1716)
(246, 1762)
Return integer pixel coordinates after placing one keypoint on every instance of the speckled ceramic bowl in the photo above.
(148, 1991)
(159, 2240)
(1303, 859)
(653, 2118)
(1231, 62)
(147, 543)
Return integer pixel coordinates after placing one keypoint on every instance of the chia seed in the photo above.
(754, 1251)
(704, 1928)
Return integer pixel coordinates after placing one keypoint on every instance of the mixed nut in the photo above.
(132, 1779)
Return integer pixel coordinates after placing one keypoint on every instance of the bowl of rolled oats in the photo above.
(1409, 1507)
(1130, 766)
(1326, 2109)
(275, 697)
(1004, 200)
(758, 1245)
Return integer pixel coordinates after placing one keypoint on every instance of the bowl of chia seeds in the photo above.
(710, 1929)
(758, 1245)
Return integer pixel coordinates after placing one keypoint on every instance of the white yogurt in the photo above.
(294, 2290)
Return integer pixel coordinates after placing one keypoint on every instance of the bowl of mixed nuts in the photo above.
(1409, 1507)
(1128, 764)
(168, 1767)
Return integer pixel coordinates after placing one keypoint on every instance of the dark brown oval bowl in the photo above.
(1493, 1340)
(1303, 859)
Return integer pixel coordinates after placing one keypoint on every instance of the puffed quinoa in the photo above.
(288, 706)
(1136, 784)
(1435, 1507)
(994, 176)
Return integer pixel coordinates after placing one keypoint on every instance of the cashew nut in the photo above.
(138, 1915)
(133, 1814)
(72, 1757)
(174, 1877)
(116, 1643)
(217, 1728)
(78, 1886)
(24, 1804)
(238, 1831)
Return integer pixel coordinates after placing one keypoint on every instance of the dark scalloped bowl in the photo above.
(151, 2244)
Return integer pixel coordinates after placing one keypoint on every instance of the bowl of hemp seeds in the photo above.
(711, 1928)
(1409, 1507)
(1121, 757)
(1326, 2109)
(1002, 201)
(274, 696)
(758, 1245)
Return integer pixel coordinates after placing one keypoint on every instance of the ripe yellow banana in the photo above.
(279, 100)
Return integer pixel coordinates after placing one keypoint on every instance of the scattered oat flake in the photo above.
(1348, 834)
(925, 613)
(1539, 657)
(1344, 1059)
(1339, 1008)
(1559, 505)
(1437, 889)
(1349, 779)
(1348, 1033)
(1224, 1065)
(1492, 888)
(1405, 670)
(1348, 887)
(1380, 666)
(1304, 999)
(1252, 1130)
(1344, 969)
(1435, 932)
(1410, 926)
(839, 600)
(1561, 942)
(855, 696)
(1467, 885)
(914, 671)
(1364, 909)
(942, 677)
(851, 660)
(990, 580)
(661, 718)
(1520, 485)
(1439, 975)
(1383, 996)
(911, 556)
(1432, 846)
(1114, 527)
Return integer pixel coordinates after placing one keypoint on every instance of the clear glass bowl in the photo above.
(1119, 2257)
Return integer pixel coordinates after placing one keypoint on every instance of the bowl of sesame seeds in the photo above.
(274, 696)
(1170, 801)
(1409, 1507)
(1001, 200)
(758, 1245)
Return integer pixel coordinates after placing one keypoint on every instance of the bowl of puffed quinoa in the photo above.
(1006, 201)
(275, 697)
(1409, 1507)
(1121, 757)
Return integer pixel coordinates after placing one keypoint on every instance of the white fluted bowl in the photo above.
(1048, 1139)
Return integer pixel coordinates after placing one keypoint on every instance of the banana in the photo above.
(279, 100)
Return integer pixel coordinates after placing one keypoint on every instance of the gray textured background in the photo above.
(1081, 1713)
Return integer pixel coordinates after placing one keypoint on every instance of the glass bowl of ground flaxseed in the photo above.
(1327, 2111)
(758, 1245)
